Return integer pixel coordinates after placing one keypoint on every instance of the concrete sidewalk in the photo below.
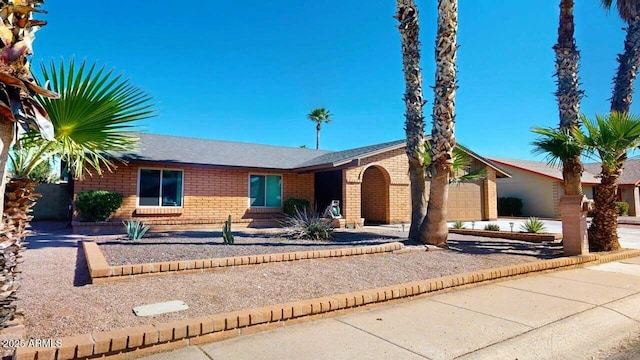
(573, 314)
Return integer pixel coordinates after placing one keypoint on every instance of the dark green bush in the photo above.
(97, 205)
(492, 227)
(509, 206)
(290, 205)
(623, 208)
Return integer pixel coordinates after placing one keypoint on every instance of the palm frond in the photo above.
(96, 115)
(557, 145)
(610, 138)
(320, 115)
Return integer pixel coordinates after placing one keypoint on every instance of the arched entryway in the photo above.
(375, 195)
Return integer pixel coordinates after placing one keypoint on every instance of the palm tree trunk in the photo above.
(318, 136)
(414, 120)
(628, 69)
(568, 94)
(6, 138)
(603, 233)
(434, 228)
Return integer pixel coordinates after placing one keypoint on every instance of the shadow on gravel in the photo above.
(81, 274)
(542, 250)
(50, 234)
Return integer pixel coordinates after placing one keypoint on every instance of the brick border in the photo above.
(147, 339)
(101, 272)
(530, 237)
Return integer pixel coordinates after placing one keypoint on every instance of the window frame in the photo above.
(265, 191)
(160, 206)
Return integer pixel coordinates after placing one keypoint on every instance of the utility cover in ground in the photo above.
(160, 308)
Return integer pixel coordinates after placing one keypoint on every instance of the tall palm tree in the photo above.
(409, 28)
(93, 120)
(319, 116)
(608, 139)
(17, 107)
(629, 11)
(568, 94)
(434, 228)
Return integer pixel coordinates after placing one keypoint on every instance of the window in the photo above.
(265, 190)
(160, 187)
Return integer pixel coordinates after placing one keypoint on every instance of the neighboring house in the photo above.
(181, 181)
(540, 185)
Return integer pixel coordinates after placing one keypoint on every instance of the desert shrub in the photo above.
(305, 225)
(290, 205)
(509, 206)
(459, 225)
(492, 227)
(532, 225)
(97, 205)
(623, 208)
(135, 229)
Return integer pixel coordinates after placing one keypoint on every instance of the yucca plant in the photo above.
(533, 225)
(135, 229)
(459, 225)
(305, 225)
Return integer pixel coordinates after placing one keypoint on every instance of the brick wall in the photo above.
(210, 194)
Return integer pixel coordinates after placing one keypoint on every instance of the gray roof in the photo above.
(630, 174)
(175, 149)
(544, 169)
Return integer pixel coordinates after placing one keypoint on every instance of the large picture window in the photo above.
(265, 190)
(160, 187)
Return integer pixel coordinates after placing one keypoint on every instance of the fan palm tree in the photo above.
(568, 94)
(17, 108)
(434, 229)
(629, 11)
(319, 116)
(608, 139)
(409, 28)
(93, 120)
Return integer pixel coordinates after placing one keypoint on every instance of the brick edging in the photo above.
(530, 237)
(180, 333)
(100, 271)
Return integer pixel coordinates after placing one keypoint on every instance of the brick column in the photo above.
(490, 195)
(573, 209)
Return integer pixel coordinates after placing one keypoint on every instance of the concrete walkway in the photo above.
(574, 314)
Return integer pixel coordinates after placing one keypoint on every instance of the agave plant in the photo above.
(17, 108)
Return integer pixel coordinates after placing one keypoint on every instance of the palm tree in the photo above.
(568, 94)
(629, 11)
(319, 116)
(93, 119)
(461, 166)
(409, 28)
(434, 228)
(608, 139)
(17, 107)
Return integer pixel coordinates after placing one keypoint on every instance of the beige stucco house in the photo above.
(540, 185)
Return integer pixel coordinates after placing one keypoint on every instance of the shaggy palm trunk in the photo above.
(434, 229)
(18, 200)
(568, 94)
(414, 120)
(628, 69)
(318, 136)
(603, 234)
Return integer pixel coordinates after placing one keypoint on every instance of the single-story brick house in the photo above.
(540, 185)
(190, 182)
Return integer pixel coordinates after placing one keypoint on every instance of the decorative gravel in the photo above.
(59, 301)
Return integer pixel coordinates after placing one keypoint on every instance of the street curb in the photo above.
(129, 343)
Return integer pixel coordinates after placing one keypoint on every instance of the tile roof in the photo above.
(630, 175)
(175, 149)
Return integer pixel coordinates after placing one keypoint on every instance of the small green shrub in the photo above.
(97, 205)
(533, 225)
(623, 208)
(509, 206)
(290, 205)
(304, 225)
(492, 227)
(459, 225)
(227, 236)
(135, 229)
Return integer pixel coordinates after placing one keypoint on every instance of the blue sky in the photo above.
(252, 71)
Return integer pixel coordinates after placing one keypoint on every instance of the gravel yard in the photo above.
(59, 301)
